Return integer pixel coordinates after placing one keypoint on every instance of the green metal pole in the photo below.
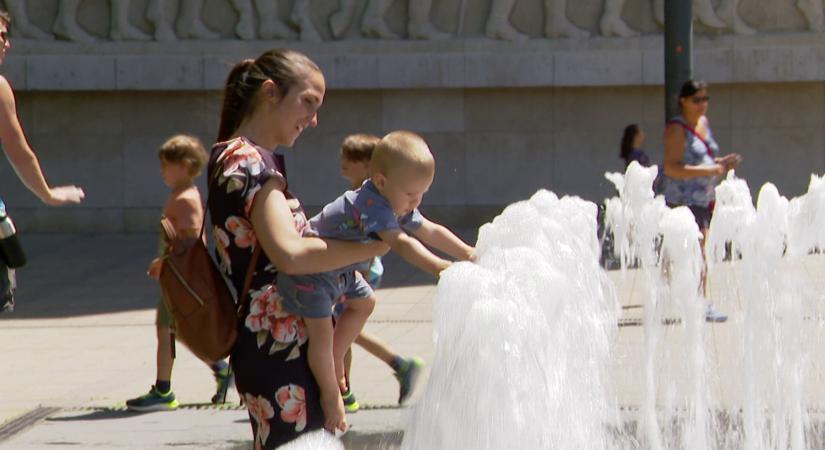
(678, 51)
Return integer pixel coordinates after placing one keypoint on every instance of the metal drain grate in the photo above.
(15, 426)
(184, 406)
(193, 406)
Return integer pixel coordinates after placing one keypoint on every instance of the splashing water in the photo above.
(316, 440)
(522, 337)
(734, 213)
(665, 243)
(773, 347)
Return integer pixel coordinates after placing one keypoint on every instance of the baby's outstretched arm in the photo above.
(440, 237)
(413, 251)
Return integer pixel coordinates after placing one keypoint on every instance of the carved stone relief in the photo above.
(270, 25)
(259, 19)
(373, 24)
(188, 25)
(725, 18)
(812, 10)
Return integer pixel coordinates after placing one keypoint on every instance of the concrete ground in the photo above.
(82, 341)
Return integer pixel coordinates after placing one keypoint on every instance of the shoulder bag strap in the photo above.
(243, 296)
(693, 132)
(212, 181)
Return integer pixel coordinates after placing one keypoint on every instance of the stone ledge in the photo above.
(458, 63)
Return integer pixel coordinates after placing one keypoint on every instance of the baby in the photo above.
(385, 208)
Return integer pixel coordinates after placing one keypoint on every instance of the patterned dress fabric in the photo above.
(270, 356)
(694, 191)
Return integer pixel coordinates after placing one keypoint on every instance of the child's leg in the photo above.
(349, 326)
(223, 379)
(406, 370)
(320, 334)
(348, 364)
(376, 347)
(164, 359)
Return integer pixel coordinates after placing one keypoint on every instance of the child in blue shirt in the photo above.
(385, 207)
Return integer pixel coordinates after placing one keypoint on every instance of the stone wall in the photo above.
(503, 115)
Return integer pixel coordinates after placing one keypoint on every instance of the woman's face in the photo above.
(639, 139)
(697, 104)
(298, 109)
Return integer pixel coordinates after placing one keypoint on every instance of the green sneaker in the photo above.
(223, 379)
(153, 401)
(407, 377)
(350, 403)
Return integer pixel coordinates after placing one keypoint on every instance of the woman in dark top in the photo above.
(632, 140)
(268, 102)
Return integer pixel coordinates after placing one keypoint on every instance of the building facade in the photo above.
(512, 95)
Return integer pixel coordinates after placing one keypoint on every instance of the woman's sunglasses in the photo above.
(700, 100)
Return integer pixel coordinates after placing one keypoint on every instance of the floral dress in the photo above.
(270, 356)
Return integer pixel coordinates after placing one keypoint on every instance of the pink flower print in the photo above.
(302, 333)
(285, 330)
(240, 154)
(261, 411)
(221, 244)
(262, 305)
(242, 230)
(293, 405)
(266, 313)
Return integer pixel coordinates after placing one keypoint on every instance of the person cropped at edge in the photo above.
(268, 102)
(24, 161)
(693, 167)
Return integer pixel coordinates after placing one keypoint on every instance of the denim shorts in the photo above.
(316, 295)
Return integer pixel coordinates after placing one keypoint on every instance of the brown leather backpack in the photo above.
(203, 308)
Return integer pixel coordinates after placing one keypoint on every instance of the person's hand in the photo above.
(62, 195)
(154, 268)
(733, 160)
(334, 415)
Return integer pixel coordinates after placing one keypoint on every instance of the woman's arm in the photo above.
(674, 167)
(293, 254)
(22, 157)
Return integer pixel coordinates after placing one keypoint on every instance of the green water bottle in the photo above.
(11, 252)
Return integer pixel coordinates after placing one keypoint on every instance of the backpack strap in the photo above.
(243, 296)
(168, 229)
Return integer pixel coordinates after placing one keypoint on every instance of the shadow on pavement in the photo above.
(99, 414)
(106, 413)
(70, 275)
